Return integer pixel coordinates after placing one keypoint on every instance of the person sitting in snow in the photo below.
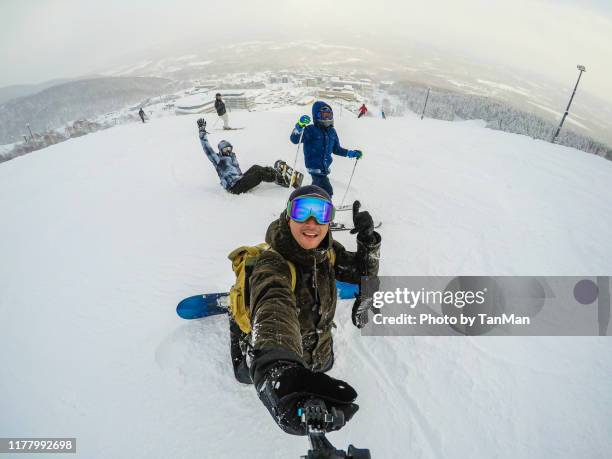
(290, 347)
(228, 169)
(320, 141)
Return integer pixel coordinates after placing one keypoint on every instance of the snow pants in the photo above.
(241, 370)
(322, 181)
(225, 119)
(253, 177)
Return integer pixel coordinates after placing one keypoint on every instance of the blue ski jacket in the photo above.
(319, 143)
(227, 167)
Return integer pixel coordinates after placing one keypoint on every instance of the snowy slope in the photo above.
(100, 237)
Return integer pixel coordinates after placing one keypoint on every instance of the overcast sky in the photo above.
(45, 39)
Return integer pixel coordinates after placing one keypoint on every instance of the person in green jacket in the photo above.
(290, 345)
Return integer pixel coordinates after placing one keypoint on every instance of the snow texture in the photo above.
(102, 235)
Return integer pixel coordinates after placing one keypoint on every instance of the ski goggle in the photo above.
(227, 150)
(304, 207)
(326, 114)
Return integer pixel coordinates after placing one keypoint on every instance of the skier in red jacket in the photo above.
(362, 110)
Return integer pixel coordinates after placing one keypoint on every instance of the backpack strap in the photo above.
(331, 254)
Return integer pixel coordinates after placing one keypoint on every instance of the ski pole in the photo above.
(298, 149)
(349, 183)
(297, 152)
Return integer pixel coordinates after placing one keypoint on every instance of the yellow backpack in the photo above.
(243, 260)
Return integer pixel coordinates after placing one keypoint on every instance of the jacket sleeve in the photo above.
(338, 150)
(296, 133)
(208, 150)
(275, 327)
(351, 266)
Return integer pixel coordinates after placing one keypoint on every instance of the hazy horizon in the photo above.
(48, 39)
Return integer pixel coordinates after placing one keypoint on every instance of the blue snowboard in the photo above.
(211, 304)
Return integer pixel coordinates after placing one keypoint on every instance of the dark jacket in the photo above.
(319, 144)
(220, 107)
(296, 325)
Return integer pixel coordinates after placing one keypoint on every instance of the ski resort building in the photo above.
(363, 86)
(239, 100)
(195, 103)
(346, 92)
(205, 102)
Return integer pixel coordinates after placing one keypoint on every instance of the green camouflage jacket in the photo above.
(295, 325)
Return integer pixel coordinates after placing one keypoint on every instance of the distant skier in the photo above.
(228, 169)
(292, 346)
(362, 110)
(382, 113)
(220, 107)
(142, 114)
(320, 141)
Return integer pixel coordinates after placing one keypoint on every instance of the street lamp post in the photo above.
(582, 69)
(425, 105)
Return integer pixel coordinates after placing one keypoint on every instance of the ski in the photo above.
(342, 227)
(212, 304)
(229, 129)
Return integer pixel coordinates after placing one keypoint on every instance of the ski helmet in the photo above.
(225, 148)
(218, 94)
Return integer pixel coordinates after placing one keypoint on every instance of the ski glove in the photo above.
(359, 315)
(202, 126)
(355, 154)
(286, 386)
(304, 121)
(363, 224)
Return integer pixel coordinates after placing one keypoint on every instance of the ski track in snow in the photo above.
(102, 235)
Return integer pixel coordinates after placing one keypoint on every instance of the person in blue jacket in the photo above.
(228, 169)
(320, 141)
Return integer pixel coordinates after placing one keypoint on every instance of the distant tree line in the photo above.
(42, 140)
(448, 105)
(78, 128)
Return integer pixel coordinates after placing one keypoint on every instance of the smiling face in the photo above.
(308, 234)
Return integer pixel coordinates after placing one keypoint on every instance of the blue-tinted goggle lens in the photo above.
(326, 114)
(302, 208)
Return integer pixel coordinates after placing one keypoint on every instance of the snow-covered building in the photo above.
(205, 102)
(239, 100)
(195, 103)
(363, 86)
(345, 92)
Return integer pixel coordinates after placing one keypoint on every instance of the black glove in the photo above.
(359, 315)
(202, 124)
(287, 386)
(363, 224)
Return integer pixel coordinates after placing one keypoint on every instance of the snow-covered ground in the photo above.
(101, 236)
